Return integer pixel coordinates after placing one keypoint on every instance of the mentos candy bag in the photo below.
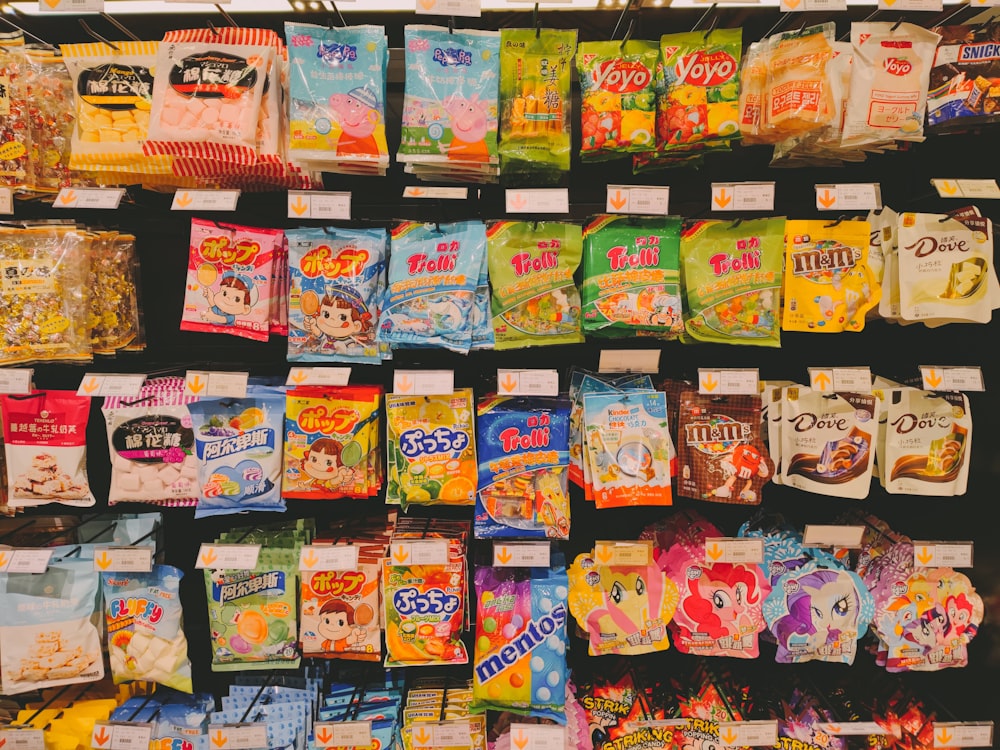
(336, 277)
(535, 301)
(433, 274)
(618, 110)
(520, 655)
(238, 442)
(523, 467)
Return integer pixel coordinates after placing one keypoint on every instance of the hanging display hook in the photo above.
(898, 23)
(27, 33)
(704, 15)
(622, 17)
(229, 18)
(536, 22)
(340, 15)
(628, 34)
(97, 36)
(120, 26)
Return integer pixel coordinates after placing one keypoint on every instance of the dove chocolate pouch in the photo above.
(927, 443)
(828, 441)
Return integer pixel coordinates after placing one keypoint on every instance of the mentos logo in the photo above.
(223, 249)
(327, 421)
(531, 637)
(141, 609)
(350, 261)
(452, 57)
(897, 66)
(333, 53)
(979, 52)
(621, 77)
(700, 69)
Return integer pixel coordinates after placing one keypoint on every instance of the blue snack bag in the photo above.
(523, 467)
(433, 274)
(239, 449)
(335, 278)
(482, 323)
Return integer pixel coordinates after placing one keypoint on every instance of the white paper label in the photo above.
(468, 8)
(629, 360)
(422, 552)
(735, 550)
(538, 201)
(855, 729)
(623, 553)
(440, 193)
(942, 554)
(728, 382)
(537, 737)
(845, 537)
(238, 736)
(423, 382)
(963, 188)
(71, 6)
(6, 201)
(450, 734)
(963, 734)
(748, 733)
(952, 378)
(94, 384)
(855, 196)
(16, 380)
(216, 384)
(108, 198)
(320, 557)
(984, 3)
(528, 382)
(121, 736)
(24, 560)
(742, 196)
(631, 199)
(123, 559)
(932, 5)
(306, 204)
(318, 376)
(789, 6)
(205, 200)
(22, 739)
(228, 557)
(343, 734)
(840, 379)
(521, 554)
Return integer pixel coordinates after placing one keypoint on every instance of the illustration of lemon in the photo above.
(435, 411)
(418, 495)
(251, 417)
(640, 137)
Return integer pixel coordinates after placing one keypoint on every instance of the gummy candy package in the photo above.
(535, 301)
(631, 276)
(152, 445)
(45, 447)
(731, 276)
(341, 610)
(229, 279)
(15, 136)
(618, 109)
(336, 277)
(829, 286)
(523, 467)
(524, 608)
(535, 102)
(337, 93)
(145, 639)
(238, 443)
(433, 275)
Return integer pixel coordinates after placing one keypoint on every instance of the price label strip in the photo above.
(228, 557)
(844, 537)
(238, 736)
(965, 188)
(538, 201)
(855, 729)
(22, 738)
(343, 734)
(216, 384)
(942, 554)
(106, 198)
(323, 557)
(123, 559)
(631, 199)
(445, 734)
(963, 734)
(936, 378)
(109, 735)
(16, 381)
(623, 553)
(306, 204)
(791, 6)
(748, 733)
(98, 384)
(6, 201)
(840, 379)
(537, 737)
(735, 550)
(630, 360)
(423, 382)
(205, 200)
(742, 196)
(318, 376)
(858, 196)
(436, 193)
(468, 8)
(24, 560)
(71, 6)
(422, 552)
(930, 5)
(528, 382)
(728, 382)
(521, 554)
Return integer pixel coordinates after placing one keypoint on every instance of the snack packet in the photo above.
(114, 299)
(337, 277)
(15, 137)
(963, 80)
(753, 90)
(523, 467)
(45, 447)
(535, 301)
(145, 639)
(49, 103)
(797, 97)
(340, 612)
(482, 317)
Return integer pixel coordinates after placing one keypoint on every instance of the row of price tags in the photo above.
(137, 559)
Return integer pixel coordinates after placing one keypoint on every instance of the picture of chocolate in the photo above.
(965, 279)
(842, 460)
(942, 465)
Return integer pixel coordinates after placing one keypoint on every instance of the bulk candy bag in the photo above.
(963, 83)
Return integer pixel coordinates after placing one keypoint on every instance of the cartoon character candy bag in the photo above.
(336, 278)
(229, 279)
(535, 301)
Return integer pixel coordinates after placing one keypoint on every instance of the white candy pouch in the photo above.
(928, 442)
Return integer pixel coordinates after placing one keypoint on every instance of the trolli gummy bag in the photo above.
(535, 301)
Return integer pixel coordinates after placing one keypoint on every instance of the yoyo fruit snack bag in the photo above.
(631, 275)
(731, 273)
(535, 300)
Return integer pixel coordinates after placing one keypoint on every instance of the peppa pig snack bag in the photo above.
(336, 107)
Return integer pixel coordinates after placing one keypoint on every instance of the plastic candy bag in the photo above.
(797, 96)
(963, 82)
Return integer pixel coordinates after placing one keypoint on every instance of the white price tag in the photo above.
(17, 738)
(537, 737)
(343, 734)
(318, 376)
(948, 188)
(438, 193)
(855, 729)
(528, 382)
(963, 734)
(852, 196)
(422, 552)
(108, 198)
(942, 554)
(123, 559)
(789, 6)
(450, 734)
(932, 5)
(845, 537)
(228, 557)
(538, 201)
(423, 382)
(109, 735)
(623, 553)
(984, 3)
(95, 384)
(521, 554)
(238, 736)
(748, 733)
(468, 8)
(323, 557)
(632, 199)
(629, 360)
(16, 381)
(306, 204)
(71, 6)
(952, 378)
(729, 382)
(841, 379)
(216, 384)
(205, 200)
(735, 550)
(742, 196)
(24, 560)
(6, 201)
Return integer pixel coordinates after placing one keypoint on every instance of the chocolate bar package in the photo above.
(965, 79)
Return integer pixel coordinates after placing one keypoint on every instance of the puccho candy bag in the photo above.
(334, 294)
(535, 301)
(340, 612)
(45, 447)
(731, 274)
(433, 274)
(229, 279)
(720, 453)
(519, 660)
(523, 467)
(829, 286)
